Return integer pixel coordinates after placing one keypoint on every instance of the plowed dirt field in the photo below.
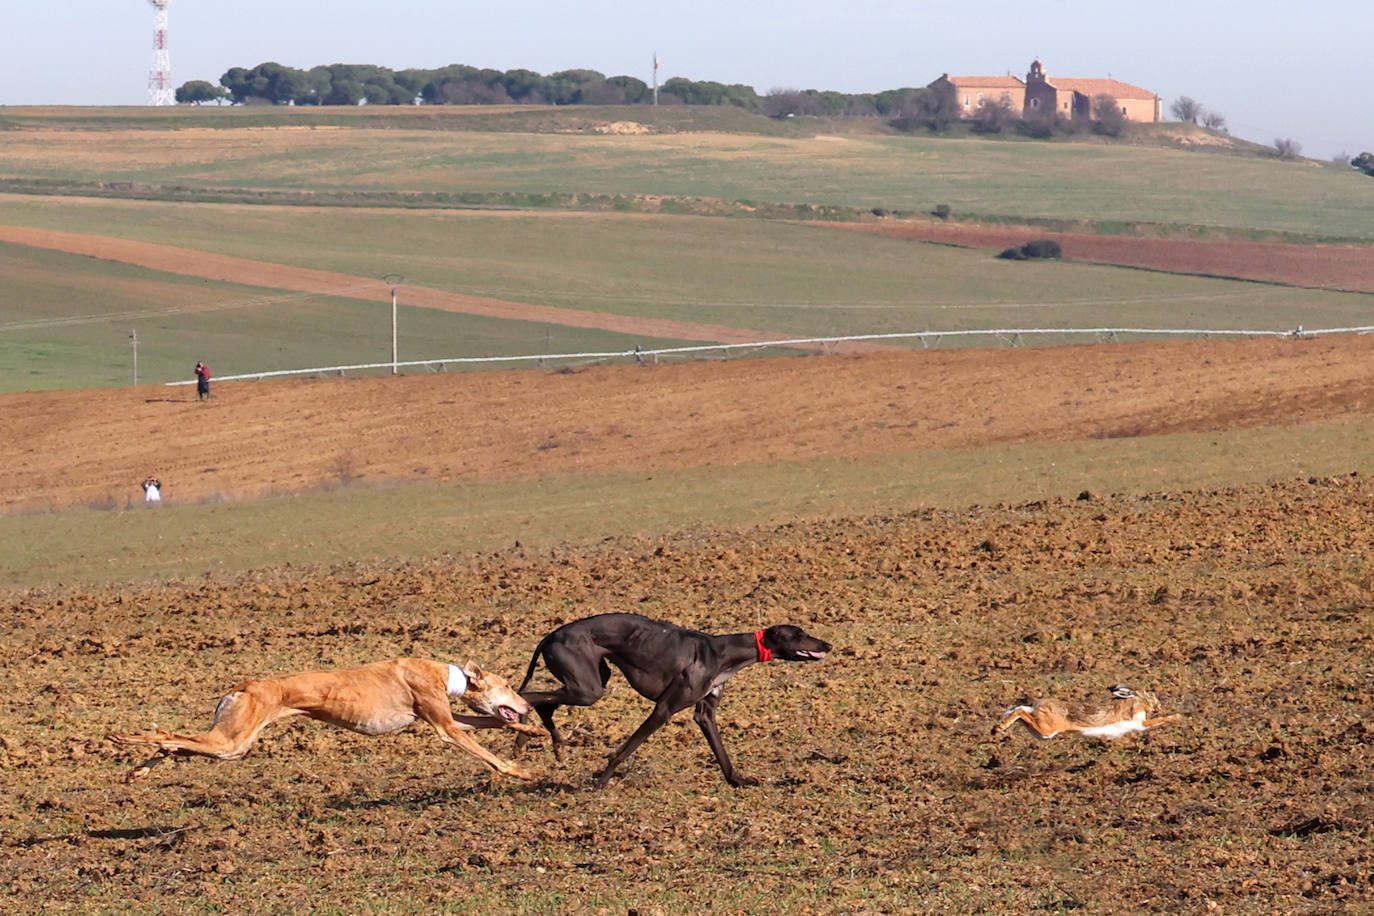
(1343, 267)
(1246, 609)
(882, 790)
(71, 448)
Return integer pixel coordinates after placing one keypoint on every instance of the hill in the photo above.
(552, 158)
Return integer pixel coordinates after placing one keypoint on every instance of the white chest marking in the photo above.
(719, 682)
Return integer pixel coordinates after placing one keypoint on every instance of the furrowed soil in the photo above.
(91, 448)
(882, 789)
(1330, 266)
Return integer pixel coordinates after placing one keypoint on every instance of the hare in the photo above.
(1126, 712)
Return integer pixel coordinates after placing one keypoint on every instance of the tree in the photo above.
(944, 107)
(787, 103)
(1364, 162)
(934, 108)
(235, 82)
(314, 88)
(633, 89)
(1287, 149)
(1213, 121)
(1108, 118)
(466, 92)
(992, 115)
(567, 87)
(197, 91)
(891, 103)
(525, 86)
(1185, 109)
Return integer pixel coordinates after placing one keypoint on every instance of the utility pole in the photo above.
(133, 336)
(394, 280)
(655, 77)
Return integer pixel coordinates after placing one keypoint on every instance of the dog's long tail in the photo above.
(534, 661)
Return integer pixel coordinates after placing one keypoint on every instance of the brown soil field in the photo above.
(1337, 267)
(882, 789)
(71, 448)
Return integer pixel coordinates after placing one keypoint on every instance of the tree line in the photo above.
(458, 84)
(931, 107)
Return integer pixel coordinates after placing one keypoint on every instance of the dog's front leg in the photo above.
(522, 728)
(456, 736)
(706, 718)
(435, 711)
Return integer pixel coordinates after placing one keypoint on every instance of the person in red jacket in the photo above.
(202, 381)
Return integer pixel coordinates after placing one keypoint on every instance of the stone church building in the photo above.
(1040, 96)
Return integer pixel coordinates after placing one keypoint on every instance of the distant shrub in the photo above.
(1039, 249)
(1287, 149)
(1035, 128)
(941, 212)
(1108, 117)
(1043, 248)
(992, 115)
(1043, 128)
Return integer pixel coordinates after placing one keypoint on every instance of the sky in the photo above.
(1273, 69)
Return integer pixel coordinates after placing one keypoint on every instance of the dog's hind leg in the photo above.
(584, 682)
(239, 717)
(676, 698)
(146, 767)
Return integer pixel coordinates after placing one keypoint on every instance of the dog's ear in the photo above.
(474, 671)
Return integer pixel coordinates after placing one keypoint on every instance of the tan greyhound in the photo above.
(374, 700)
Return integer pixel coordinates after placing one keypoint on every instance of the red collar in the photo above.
(765, 654)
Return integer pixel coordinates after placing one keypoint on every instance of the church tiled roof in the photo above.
(1095, 87)
(987, 82)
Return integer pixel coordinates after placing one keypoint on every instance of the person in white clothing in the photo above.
(152, 490)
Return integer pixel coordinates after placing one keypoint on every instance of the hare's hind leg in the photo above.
(1026, 716)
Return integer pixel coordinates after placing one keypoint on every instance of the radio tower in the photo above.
(160, 77)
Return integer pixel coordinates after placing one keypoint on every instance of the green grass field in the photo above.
(379, 520)
(68, 320)
(857, 167)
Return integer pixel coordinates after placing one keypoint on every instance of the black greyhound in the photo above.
(672, 666)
